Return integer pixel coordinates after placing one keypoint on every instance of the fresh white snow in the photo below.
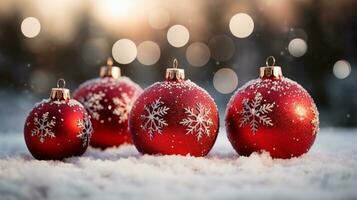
(328, 171)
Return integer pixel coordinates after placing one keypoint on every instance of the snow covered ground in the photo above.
(328, 171)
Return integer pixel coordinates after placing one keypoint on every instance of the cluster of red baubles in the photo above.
(175, 116)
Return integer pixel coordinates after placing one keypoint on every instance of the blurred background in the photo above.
(220, 43)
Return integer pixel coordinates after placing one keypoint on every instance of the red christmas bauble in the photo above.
(57, 128)
(108, 100)
(174, 117)
(272, 114)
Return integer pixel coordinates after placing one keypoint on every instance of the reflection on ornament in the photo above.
(174, 117)
(272, 114)
(108, 100)
(58, 127)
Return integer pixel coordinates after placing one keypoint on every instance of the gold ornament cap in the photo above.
(270, 70)
(60, 92)
(175, 73)
(109, 70)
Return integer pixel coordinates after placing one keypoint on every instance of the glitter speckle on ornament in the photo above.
(272, 114)
(108, 100)
(174, 117)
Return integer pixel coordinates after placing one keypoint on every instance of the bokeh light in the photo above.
(198, 54)
(225, 80)
(124, 51)
(297, 47)
(148, 53)
(342, 69)
(222, 47)
(241, 25)
(178, 36)
(30, 27)
(159, 18)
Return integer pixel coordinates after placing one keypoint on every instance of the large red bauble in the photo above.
(108, 101)
(57, 129)
(272, 114)
(174, 117)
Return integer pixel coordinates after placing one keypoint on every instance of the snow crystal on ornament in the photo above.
(315, 121)
(123, 107)
(43, 127)
(108, 82)
(92, 103)
(85, 130)
(154, 119)
(70, 102)
(255, 113)
(184, 85)
(197, 121)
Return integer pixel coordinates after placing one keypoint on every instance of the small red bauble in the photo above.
(272, 114)
(174, 117)
(108, 100)
(58, 127)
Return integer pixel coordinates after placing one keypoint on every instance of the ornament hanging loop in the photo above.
(272, 59)
(175, 63)
(270, 70)
(109, 62)
(109, 70)
(175, 73)
(60, 92)
(61, 83)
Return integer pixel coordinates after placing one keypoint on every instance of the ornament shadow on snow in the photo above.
(272, 114)
(174, 117)
(108, 100)
(58, 127)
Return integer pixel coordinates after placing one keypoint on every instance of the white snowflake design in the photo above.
(315, 121)
(43, 127)
(198, 121)
(255, 113)
(92, 103)
(123, 107)
(85, 130)
(154, 119)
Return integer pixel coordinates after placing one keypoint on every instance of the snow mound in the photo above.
(328, 171)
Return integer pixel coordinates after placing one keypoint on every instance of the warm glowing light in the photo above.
(342, 69)
(225, 80)
(114, 9)
(241, 25)
(198, 54)
(178, 35)
(124, 51)
(30, 27)
(148, 53)
(118, 16)
(297, 47)
(159, 18)
(222, 47)
(300, 111)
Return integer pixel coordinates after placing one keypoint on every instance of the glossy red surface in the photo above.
(273, 115)
(174, 117)
(55, 130)
(108, 101)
